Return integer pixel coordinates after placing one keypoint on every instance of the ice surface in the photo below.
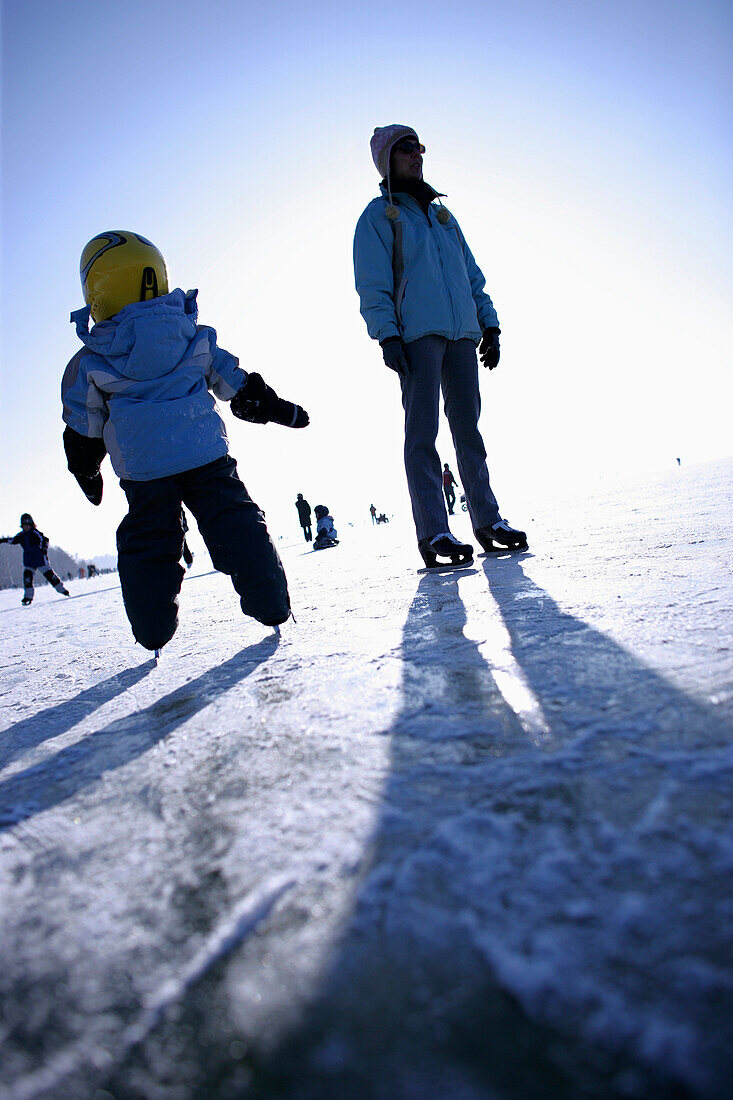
(461, 835)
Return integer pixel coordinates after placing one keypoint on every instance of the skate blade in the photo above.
(504, 550)
(447, 567)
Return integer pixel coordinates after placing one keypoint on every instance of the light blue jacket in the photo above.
(142, 382)
(326, 527)
(416, 276)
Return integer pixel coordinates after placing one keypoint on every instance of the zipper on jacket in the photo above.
(447, 284)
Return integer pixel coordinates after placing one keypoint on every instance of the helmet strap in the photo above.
(148, 285)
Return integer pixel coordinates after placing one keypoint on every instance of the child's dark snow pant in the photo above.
(150, 541)
(28, 575)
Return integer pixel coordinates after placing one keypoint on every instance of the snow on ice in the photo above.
(461, 835)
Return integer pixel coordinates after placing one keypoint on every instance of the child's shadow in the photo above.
(51, 782)
(32, 731)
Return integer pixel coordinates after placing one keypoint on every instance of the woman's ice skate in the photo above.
(445, 545)
(500, 537)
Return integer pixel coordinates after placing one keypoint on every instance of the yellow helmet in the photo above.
(118, 268)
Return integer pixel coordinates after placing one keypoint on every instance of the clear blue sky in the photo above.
(584, 148)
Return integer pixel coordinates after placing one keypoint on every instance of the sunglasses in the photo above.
(408, 146)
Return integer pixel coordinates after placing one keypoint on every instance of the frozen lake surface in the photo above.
(463, 835)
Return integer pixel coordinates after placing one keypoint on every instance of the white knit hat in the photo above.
(383, 138)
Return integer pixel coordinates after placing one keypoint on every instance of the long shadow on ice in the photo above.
(77, 766)
(528, 922)
(49, 723)
(591, 689)
(531, 922)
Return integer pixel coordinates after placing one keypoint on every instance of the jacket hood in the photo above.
(145, 339)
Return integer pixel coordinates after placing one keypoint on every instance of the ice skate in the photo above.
(445, 545)
(27, 601)
(501, 537)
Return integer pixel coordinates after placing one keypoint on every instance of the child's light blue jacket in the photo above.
(417, 276)
(142, 382)
(325, 526)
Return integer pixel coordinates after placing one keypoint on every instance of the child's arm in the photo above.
(85, 413)
(224, 376)
(252, 399)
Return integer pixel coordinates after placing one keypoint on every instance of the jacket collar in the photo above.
(419, 190)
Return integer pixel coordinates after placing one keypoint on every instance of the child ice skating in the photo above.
(139, 390)
(35, 556)
(326, 534)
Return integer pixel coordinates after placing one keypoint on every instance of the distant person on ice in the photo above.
(326, 534)
(450, 494)
(373, 513)
(139, 390)
(422, 297)
(304, 516)
(35, 556)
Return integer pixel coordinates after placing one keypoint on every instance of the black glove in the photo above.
(393, 353)
(84, 456)
(258, 403)
(488, 349)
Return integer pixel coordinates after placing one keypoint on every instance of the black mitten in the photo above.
(257, 403)
(84, 456)
(488, 349)
(393, 353)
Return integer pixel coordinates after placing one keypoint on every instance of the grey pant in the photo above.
(451, 364)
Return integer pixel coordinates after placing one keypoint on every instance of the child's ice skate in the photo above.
(500, 537)
(445, 545)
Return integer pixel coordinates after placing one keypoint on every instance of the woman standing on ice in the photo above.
(35, 556)
(422, 297)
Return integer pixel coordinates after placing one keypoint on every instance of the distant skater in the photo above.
(326, 534)
(142, 389)
(423, 299)
(373, 513)
(450, 494)
(35, 556)
(304, 515)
